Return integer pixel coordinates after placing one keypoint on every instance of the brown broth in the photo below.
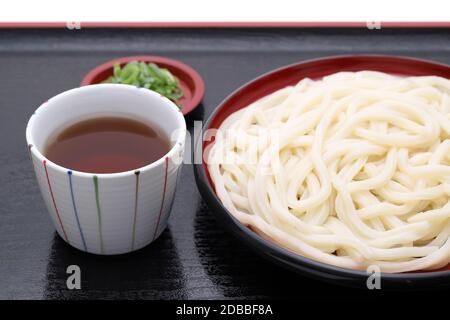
(107, 145)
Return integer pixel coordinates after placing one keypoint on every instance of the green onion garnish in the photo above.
(150, 76)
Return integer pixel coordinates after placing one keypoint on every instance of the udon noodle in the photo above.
(351, 170)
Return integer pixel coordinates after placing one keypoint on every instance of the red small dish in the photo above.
(190, 81)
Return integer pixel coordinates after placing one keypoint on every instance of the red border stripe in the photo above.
(163, 197)
(229, 24)
(54, 202)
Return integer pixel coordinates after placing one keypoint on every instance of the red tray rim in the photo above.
(229, 24)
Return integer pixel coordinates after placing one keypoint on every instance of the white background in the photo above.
(223, 10)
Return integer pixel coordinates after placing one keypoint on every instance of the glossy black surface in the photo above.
(194, 258)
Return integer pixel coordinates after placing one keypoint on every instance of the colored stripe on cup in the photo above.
(162, 201)
(99, 212)
(69, 173)
(54, 202)
(136, 200)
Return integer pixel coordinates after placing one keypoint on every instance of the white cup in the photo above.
(108, 213)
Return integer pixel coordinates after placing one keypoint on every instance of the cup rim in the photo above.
(179, 142)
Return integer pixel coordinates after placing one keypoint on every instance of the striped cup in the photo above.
(108, 213)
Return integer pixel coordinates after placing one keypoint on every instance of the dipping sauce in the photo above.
(107, 145)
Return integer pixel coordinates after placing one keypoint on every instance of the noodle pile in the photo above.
(351, 170)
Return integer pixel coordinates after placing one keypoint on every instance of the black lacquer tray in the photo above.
(195, 258)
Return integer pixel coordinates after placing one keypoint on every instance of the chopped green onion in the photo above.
(148, 76)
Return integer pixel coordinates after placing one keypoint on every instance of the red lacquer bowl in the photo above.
(190, 81)
(290, 75)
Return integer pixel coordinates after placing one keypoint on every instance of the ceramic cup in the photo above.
(108, 213)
